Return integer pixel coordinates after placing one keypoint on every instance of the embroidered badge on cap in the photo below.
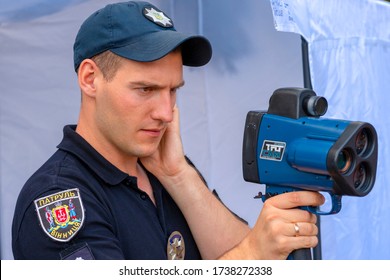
(61, 215)
(176, 248)
(157, 16)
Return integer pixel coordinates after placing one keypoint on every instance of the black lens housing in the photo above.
(353, 158)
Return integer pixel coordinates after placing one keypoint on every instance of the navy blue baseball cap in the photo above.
(138, 31)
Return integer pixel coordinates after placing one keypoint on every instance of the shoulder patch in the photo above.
(61, 215)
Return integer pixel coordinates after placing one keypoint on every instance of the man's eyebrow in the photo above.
(180, 85)
(154, 85)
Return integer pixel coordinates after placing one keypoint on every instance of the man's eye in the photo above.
(146, 90)
(174, 90)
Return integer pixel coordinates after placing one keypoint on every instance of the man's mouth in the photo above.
(153, 132)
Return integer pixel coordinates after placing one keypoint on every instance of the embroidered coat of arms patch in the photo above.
(61, 215)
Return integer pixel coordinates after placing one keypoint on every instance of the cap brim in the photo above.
(196, 50)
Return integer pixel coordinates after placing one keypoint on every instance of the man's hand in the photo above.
(168, 162)
(281, 228)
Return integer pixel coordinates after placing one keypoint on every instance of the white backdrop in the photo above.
(39, 95)
(349, 55)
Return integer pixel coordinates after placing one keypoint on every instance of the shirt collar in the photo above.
(73, 143)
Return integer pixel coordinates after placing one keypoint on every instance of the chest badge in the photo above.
(61, 215)
(176, 247)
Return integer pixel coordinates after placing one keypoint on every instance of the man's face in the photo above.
(134, 108)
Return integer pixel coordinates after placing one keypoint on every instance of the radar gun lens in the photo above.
(344, 161)
(362, 141)
(360, 176)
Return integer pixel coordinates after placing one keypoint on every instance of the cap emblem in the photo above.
(158, 17)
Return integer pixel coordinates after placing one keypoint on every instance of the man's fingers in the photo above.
(300, 242)
(299, 215)
(302, 229)
(296, 199)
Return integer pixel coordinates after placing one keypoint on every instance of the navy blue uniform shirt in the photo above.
(78, 205)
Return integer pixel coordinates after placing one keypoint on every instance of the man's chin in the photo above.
(146, 152)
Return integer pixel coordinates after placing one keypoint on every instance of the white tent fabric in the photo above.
(39, 92)
(349, 57)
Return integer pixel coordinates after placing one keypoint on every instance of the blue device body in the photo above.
(287, 149)
(292, 155)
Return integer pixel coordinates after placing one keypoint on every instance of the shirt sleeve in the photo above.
(34, 236)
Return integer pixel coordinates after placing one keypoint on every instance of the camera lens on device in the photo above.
(315, 106)
(361, 141)
(360, 176)
(344, 161)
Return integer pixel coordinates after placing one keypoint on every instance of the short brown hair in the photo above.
(108, 63)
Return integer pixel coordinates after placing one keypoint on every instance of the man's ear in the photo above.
(87, 74)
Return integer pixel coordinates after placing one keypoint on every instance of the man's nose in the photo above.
(164, 107)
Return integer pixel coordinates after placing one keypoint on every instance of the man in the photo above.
(119, 186)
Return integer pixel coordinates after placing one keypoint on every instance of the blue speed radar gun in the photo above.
(291, 147)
